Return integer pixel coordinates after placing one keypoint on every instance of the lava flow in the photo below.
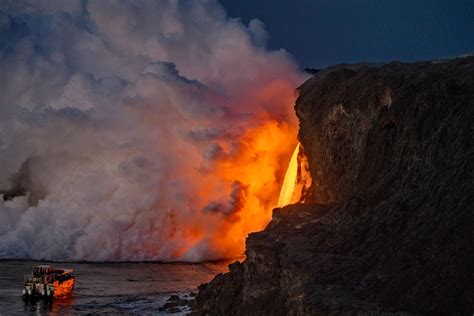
(297, 179)
(289, 183)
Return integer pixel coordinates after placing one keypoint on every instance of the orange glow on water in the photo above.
(63, 289)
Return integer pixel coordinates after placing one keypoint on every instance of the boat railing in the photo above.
(33, 279)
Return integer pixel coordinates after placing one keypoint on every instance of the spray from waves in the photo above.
(138, 130)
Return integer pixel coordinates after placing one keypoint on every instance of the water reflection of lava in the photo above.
(54, 306)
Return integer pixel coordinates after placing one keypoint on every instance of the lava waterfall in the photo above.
(297, 181)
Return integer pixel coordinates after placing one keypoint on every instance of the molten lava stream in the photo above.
(289, 182)
(297, 181)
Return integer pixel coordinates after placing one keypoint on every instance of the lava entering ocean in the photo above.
(139, 130)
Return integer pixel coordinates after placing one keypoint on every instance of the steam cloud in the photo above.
(138, 130)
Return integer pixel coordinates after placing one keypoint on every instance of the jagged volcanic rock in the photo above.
(389, 225)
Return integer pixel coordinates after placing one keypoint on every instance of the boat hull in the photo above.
(55, 289)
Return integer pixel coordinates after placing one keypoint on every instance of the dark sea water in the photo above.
(112, 288)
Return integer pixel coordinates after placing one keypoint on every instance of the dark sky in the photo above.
(326, 32)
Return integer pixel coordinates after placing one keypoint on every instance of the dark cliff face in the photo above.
(389, 224)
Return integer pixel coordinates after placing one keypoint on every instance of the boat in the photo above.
(46, 281)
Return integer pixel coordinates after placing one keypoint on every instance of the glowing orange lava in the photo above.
(256, 171)
(297, 180)
(289, 183)
(251, 179)
(235, 191)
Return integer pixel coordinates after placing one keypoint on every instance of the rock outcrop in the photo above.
(389, 224)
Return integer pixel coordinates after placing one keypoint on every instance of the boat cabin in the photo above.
(42, 270)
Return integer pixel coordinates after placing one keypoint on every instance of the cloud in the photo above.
(121, 121)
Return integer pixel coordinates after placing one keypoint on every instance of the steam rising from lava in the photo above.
(138, 130)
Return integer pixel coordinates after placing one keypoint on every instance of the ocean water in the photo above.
(113, 288)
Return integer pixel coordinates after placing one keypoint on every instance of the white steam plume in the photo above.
(115, 114)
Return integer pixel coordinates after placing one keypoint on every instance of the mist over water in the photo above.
(138, 130)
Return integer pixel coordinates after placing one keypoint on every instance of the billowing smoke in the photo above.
(138, 130)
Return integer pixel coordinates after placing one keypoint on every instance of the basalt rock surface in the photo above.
(388, 228)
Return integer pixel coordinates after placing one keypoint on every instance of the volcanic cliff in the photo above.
(388, 227)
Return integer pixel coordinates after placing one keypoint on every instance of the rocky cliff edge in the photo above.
(388, 227)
